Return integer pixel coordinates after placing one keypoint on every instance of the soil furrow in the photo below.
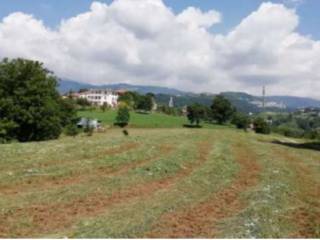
(46, 182)
(307, 216)
(200, 220)
(50, 218)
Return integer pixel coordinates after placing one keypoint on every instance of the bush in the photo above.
(261, 126)
(123, 116)
(241, 121)
(290, 131)
(71, 130)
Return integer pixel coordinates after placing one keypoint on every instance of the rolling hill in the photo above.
(242, 101)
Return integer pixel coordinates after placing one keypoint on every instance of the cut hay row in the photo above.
(161, 183)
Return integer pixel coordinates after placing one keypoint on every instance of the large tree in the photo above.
(30, 106)
(195, 113)
(145, 103)
(222, 109)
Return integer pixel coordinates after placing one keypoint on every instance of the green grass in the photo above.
(110, 185)
(140, 120)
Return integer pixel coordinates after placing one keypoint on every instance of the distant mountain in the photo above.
(242, 101)
(295, 102)
(67, 85)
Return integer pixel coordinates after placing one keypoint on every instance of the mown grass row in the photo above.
(128, 192)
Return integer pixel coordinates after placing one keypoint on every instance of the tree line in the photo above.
(221, 112)
(31, 108)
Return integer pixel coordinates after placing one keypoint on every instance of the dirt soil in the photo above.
(49, 218)
(200, 220)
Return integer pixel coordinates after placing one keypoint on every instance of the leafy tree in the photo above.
(123, 116)
(6, 128)
(195, 113)
(145, 103)
(68, 113)
(261, 126)
(30, 106)
(241, 121)
(129, 98)
(222, 109)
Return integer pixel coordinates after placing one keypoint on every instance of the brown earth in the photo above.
(44, 182)
(200, 220)
(56, 182)
(307, 216)
(48, 218)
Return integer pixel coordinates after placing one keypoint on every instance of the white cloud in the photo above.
(144, 42)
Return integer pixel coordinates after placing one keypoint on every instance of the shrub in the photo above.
(123, 116)
(71, 130)
(290, 131)
(241, 121)
(261, 126)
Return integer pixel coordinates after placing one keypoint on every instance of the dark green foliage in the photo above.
(222, 109)
(6, 129)
(144, 103)
(123, 116)
(195, 113)
(68, 111)
(71, 130)
(300, 124)
(30, 102)
(129, 98)
(261, 126)
(83, 102)
(241, 120)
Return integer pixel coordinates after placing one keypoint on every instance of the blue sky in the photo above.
(233, 11)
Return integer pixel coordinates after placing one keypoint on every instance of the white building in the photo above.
(100, 97)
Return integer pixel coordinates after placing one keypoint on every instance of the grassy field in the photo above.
(160, 183)
(140, 120)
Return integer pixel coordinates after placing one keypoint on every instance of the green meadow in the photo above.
(165, 182)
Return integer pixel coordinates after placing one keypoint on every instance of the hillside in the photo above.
(67, 85)
(213, 183)
(244, 102)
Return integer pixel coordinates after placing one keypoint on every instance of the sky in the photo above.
(193, 45)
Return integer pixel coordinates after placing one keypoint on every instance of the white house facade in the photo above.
(101, 97)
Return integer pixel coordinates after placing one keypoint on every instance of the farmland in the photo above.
(159, 183)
